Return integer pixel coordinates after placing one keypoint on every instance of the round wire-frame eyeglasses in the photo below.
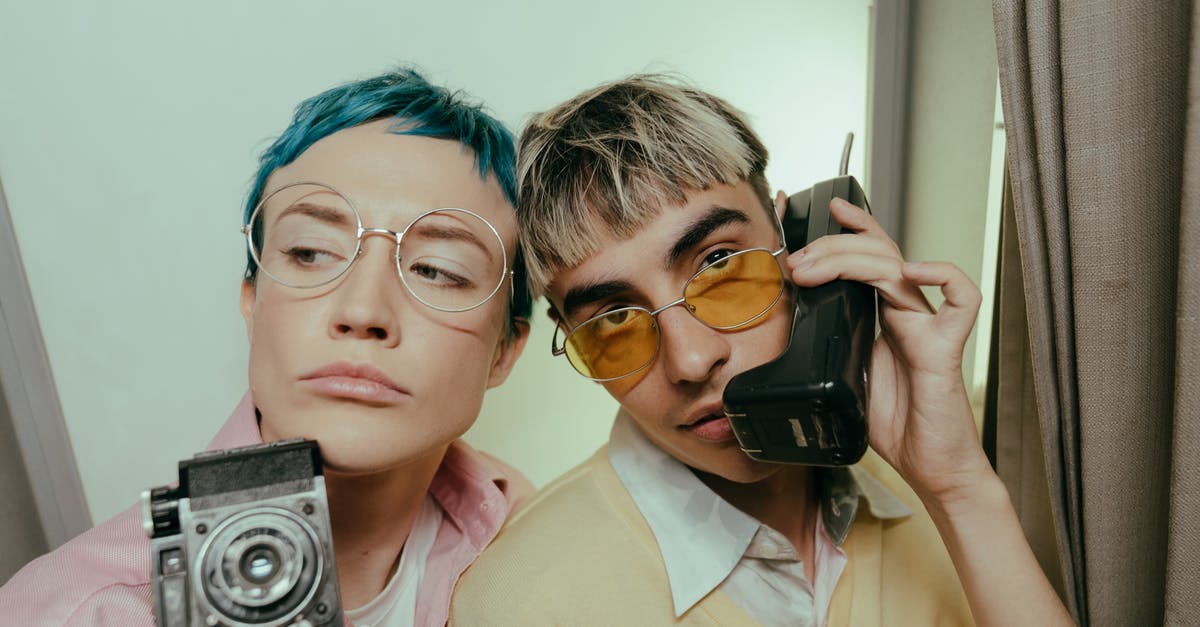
(251, 234)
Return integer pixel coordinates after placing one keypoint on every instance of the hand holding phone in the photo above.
(809, 406)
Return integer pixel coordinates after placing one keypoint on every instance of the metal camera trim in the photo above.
(270, 490)
(201, 592)
(288, 575)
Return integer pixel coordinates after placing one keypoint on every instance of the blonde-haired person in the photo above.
(626, 192)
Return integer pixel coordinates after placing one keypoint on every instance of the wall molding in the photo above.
(32, 399)
(887, 117)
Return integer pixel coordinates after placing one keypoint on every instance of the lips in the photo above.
(709, 422)
(361, 382)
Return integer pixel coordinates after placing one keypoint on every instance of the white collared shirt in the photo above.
(707, 543)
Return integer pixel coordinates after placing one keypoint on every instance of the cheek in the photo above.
(765, 341)
(281, 330)
(647, 395)
(461, 356)
(623, 387)
(269, 326)
(476, 344)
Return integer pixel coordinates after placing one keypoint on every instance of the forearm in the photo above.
(1003, 581)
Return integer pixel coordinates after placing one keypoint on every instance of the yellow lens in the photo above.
(613, 345)
(735, 290)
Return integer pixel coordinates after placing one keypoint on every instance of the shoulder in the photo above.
(576, 546)
(512, 482)
(588, 486)
(917, 574)
(465, 461)
(588, 499)
(101, 577)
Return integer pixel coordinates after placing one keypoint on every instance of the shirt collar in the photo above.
(474, 492)
(241, 429)
(700, 535)
(842, 488)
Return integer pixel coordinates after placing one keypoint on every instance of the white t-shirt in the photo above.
(396, 605)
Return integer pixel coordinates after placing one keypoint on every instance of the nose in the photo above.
(690, 351)
(366, 303)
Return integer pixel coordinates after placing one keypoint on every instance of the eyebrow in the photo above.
(320, 212)
(696, 232)
(589, 293)
(704, 226)
(437, 231)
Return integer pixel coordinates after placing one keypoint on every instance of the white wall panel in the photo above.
(129, 132)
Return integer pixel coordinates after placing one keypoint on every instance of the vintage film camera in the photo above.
(244, 539)
(809, 405)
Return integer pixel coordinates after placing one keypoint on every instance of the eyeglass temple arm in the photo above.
(557, 318)
(554, 348)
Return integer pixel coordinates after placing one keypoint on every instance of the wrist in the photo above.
(950, 479)
(972, 495)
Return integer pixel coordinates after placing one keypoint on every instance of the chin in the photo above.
(736, 467)
(354, 464)
(352, 443)
(353, 457)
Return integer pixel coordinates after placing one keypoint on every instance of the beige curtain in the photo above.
(1012, 407)
(1103, 380)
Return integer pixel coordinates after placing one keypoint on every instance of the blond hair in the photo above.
(608, 160)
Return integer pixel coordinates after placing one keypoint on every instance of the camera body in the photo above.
(244, 539)
(809, 405)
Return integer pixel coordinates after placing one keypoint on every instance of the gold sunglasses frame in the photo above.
(557, 350)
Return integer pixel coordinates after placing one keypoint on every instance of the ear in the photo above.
(507, 352)
(780, 203)
(247, 305)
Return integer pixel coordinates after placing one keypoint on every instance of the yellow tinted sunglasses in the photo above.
(730, 293)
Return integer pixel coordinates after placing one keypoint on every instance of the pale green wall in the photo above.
(128, 133)
(951, 114)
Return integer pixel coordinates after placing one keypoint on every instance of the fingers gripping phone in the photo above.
(809, 405)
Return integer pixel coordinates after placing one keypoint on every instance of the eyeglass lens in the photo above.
(724, 295)
(306, 235)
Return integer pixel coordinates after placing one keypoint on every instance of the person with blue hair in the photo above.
(384, 294)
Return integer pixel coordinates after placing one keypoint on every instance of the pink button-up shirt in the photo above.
(102, 577)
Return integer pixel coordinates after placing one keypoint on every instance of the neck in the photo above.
(784, 501)
(372, 515)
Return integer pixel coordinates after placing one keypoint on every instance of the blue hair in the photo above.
(419, 108)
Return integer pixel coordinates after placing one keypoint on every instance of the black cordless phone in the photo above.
(809, 405)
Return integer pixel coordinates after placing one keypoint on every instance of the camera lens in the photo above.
(261, 565)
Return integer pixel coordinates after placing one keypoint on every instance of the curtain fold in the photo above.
(1030, 78)
(1022, 466)
(1096, 107)
(1183, 548)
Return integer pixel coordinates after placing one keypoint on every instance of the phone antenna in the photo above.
(845, 167)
